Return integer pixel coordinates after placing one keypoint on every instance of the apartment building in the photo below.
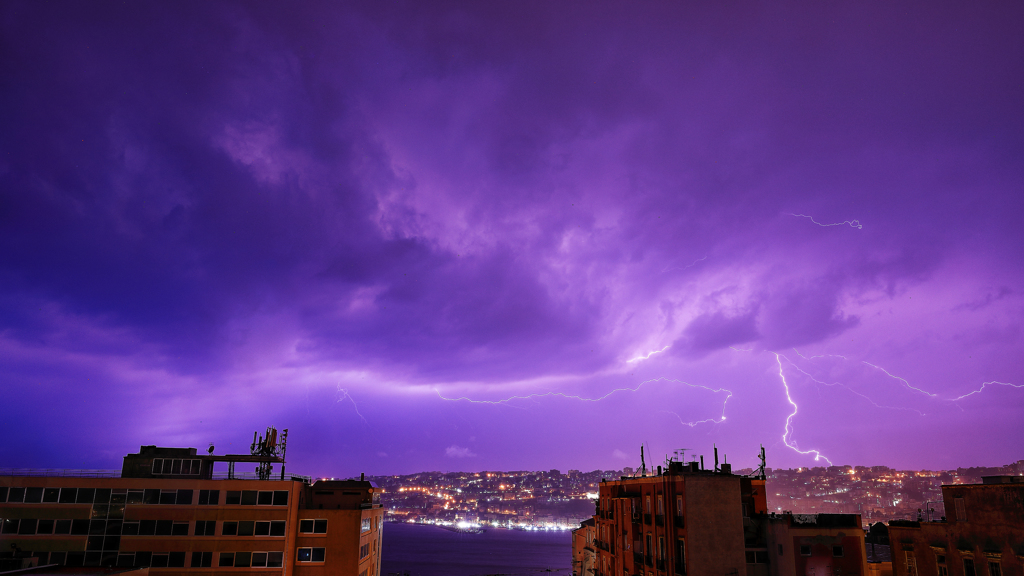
(168, 510)
(981, 534)
(688, 520)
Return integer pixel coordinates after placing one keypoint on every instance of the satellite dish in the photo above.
(210, 449)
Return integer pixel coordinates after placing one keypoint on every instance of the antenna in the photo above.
(643, 465)
(716, 456)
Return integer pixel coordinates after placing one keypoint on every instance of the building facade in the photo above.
(982, 533)
(687, 520)
(166, 510)
(583, 552)
(682, 520)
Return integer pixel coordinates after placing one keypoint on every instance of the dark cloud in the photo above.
(714, 331)
(211, 198)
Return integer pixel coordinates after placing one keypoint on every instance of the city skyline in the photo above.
(512, 237)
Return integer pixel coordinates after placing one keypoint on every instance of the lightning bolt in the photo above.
(694, 263)
(649, 354)
(505, 401)
(816, 381)
(851, 223)
(343, 395)
(983, 385)
(788, 431)
(929, 394)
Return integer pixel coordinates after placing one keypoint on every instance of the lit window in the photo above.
(310, 555)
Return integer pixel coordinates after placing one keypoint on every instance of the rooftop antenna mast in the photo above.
(643, 465)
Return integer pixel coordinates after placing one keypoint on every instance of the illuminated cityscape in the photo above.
(553, 500)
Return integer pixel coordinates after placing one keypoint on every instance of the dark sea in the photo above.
(424, 550)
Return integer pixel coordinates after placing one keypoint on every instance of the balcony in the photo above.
(648, 560)
(638, 558)
(659, 520)
(679, 521)
(636, 517)
(680, 567)
(647, 518)
(661, 564)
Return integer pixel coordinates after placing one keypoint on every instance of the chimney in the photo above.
(362, 476)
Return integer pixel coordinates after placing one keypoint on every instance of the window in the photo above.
(661, 505)
(837, 551)
(227, 558)
(62, 527)
(319, 526)
(209, 497)
(243, 559)
(940, 559)
(912, 563)
(202, 559)
(364, 551)
(168, 496)
(679, 506)
(961, 511)
(275, 559)
(648, 504)
(177, 466)
(680, 556)
(146, 527)
(45, 527)
(159, 561)
(3, 493)
(206, 528)
(366, 525)
(277, 527)
(317, 554)
(33, 495)
(246, 528)
(757, 557)
(234, 497)
(133, 496)
(229, 529)
(259, 559)
(176, 560)
(280, 497)
(969, 566)
(805, 550)
(27, 526)
(179, 529)
(262, 528)
(68, 495)
(994, 569)
(780, 549)
(9, 526)
(249, 497)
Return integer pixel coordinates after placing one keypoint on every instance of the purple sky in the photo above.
(512, 235)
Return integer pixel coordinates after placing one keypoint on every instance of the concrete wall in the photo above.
(714, 526)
